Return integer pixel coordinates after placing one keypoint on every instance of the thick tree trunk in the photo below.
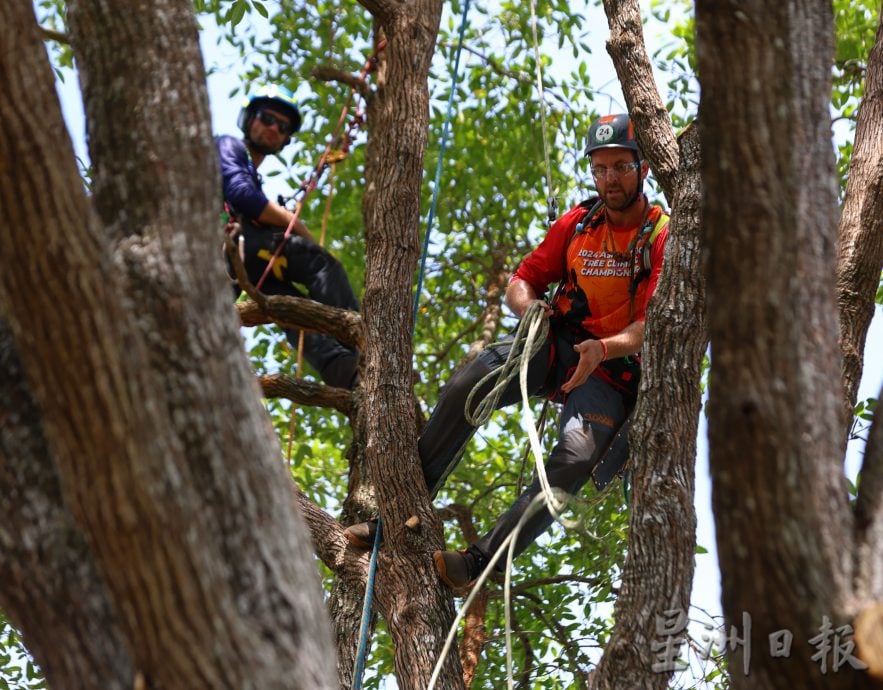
(784, 528)
(131, 352)
(409, 594)
(860, 235)
(45, 565)
(658, 572)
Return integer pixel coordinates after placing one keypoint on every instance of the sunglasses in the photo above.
(269, 119)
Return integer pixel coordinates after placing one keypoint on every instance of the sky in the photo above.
(226, 65)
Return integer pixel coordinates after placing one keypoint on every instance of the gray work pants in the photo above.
(590, 417)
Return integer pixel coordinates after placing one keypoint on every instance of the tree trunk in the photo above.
(784, 527)
(658, 572)
(860, 235)
(131, 352)
(409, 593)
(45, 563)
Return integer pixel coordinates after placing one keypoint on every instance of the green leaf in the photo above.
(237, 12)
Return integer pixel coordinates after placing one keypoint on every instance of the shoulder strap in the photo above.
(651, 232)
(594, 205)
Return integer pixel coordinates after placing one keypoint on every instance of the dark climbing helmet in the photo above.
(613, 131)
(274, 95)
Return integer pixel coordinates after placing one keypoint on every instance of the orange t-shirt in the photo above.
(597, 264)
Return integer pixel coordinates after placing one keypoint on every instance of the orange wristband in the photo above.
(603, 345)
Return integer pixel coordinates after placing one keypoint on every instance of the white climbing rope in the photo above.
(529, 338)
(505, 547)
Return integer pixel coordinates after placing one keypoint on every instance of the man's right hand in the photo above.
(520, 295)
(547, 310)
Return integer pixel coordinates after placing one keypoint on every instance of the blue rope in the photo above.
(362, 651)
(438, 168)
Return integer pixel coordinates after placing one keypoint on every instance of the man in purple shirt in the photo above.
(268, 119)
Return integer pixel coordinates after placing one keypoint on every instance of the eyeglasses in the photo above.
(618, 170)
(269, 119)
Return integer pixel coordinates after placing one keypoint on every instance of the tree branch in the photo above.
(328, 73)
(382, 10)
(236, 260)
(647, 110)
(474, 636)
(307, 393)
(553, 580)
(860, 233)
(300, 312)
(493, 311)
(292, 312)
(332, 548)
(53, 35)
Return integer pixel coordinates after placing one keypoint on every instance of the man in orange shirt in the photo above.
(608, 253)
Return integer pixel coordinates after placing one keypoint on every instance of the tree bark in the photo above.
(784, 527)
(648, 112)
(658, 572)
(45, 564)
(410, 595)
(860, 235)
(119, 312)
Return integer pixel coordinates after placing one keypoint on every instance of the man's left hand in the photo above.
(591, 352)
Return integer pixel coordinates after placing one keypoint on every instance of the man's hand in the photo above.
(520, 295)
(547, 310)
(591, 354)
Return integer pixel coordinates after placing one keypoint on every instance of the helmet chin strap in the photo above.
(638, 193)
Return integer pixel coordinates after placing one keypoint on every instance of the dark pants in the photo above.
(592, 414)
(304, 262)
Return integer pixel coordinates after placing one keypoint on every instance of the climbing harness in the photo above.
(642, 243)
(325, 159)
(362, 652)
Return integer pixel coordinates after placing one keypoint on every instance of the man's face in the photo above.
(269, 130)
(617, 177)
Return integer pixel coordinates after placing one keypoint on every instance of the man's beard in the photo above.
(626, 204)
(263, 148)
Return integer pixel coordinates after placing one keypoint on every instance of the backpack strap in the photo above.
(651, 232)
(587, 222)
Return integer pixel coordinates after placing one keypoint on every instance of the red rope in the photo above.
(313, 181)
